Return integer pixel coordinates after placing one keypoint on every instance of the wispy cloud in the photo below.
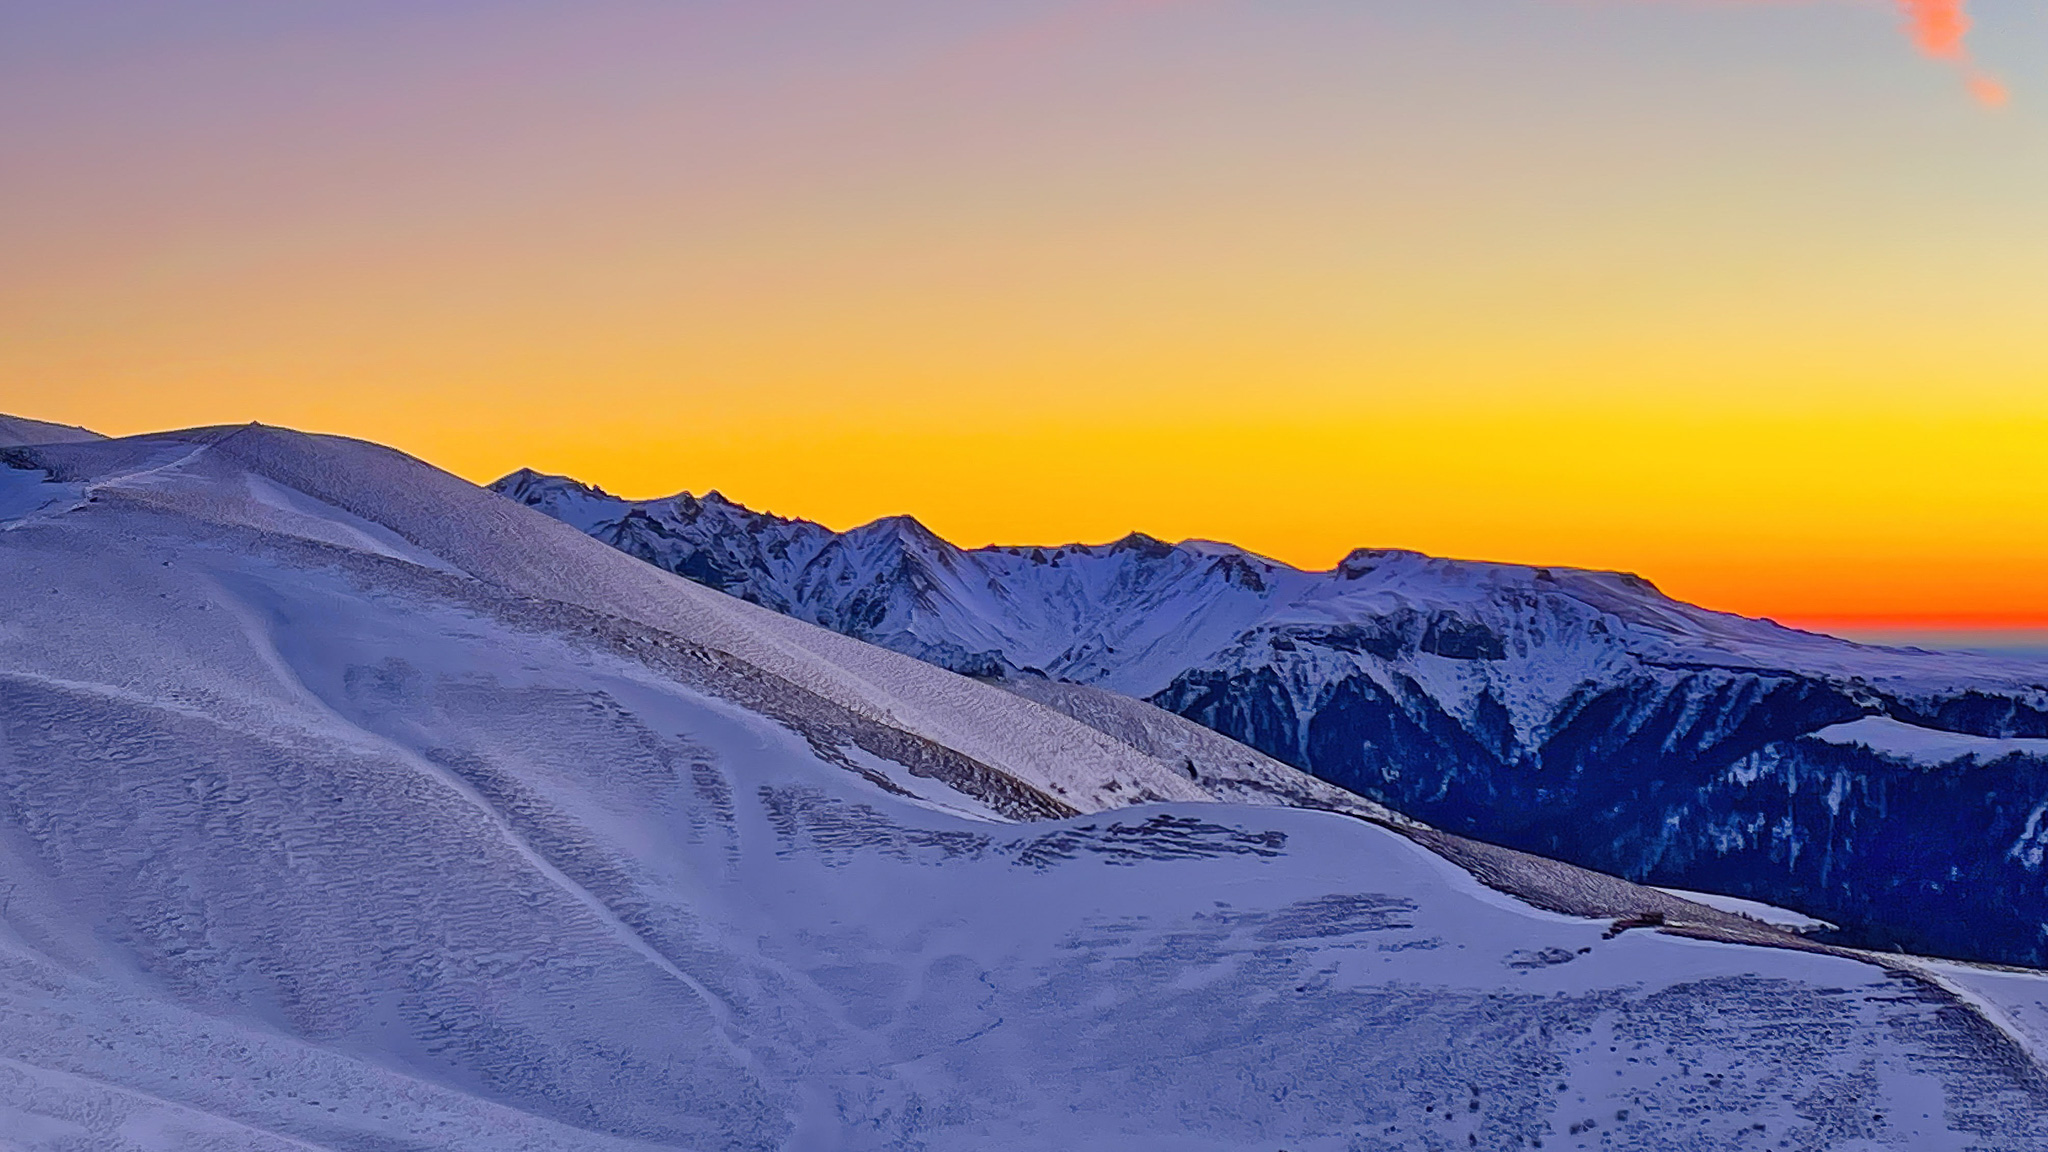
(1938, 26)
(1940, 29)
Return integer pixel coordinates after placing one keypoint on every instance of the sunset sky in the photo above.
(1750, 297)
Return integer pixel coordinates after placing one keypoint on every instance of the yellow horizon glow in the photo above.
(1744, 298)
(1810, 518)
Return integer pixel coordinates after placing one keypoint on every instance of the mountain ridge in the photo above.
(20, 431)
(346, 806)
(1578, 714)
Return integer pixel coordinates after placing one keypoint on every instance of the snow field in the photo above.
(328, 819)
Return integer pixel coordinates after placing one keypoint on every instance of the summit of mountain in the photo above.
(346, 805)
(1579, 714)
(1138, 574)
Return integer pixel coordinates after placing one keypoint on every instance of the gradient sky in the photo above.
(1750, 297)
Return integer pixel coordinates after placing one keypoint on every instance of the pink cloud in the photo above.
(1939, 28)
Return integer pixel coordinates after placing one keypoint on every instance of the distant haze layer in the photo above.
(1994, 641)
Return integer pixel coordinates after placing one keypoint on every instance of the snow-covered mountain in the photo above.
(345, 806)
(1581, 715)
(19, 430)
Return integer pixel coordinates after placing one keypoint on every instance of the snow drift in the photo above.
(346, 806)
(1580, 715)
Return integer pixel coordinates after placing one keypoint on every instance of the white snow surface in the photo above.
(1133, 615)
(2016, 999)
(345, 806)
(1929, 747)
(26, 493)
(19, 430)
(518, 549)
(1224, 768)
(1765, 913)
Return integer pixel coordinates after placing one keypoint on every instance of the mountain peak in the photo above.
(520, 807)
(1361, 561)
(902, 526)
(1150, 547)
(525, 482)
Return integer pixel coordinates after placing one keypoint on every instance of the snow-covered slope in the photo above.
(1224, 768)
(18, 430)
(252, 475)
(1928, 747)
(1578, 714)
(342, 807)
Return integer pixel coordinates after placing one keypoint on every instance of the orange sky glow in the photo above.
(1747, 297)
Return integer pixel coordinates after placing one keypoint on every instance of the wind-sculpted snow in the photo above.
(324, 828)
(807, 821)
(230, 476)
(1226, 769)
(1581, 715)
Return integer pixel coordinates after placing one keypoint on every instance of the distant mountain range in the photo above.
(1900, 794)
(347, 806)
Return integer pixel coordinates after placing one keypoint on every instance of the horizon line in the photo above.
(1930, 626)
